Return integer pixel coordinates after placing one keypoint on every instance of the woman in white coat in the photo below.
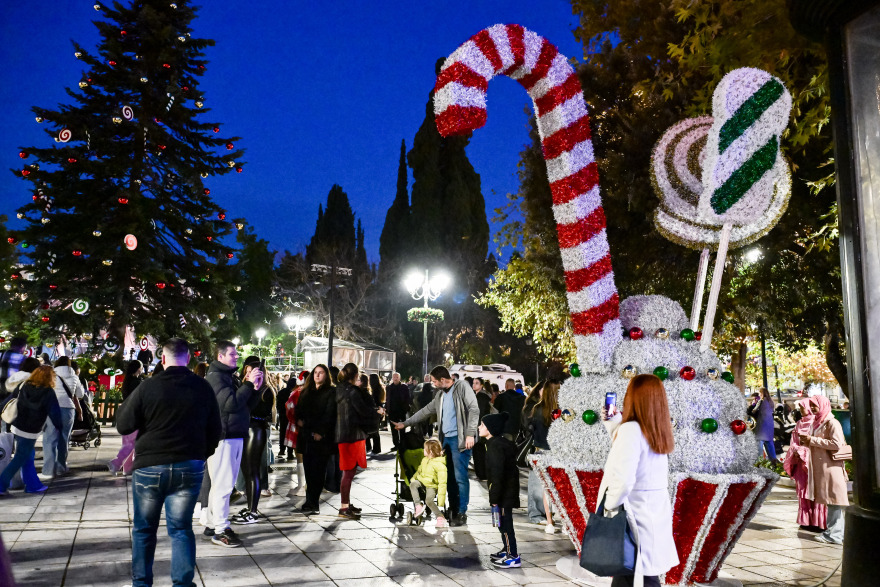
(68, 390)
(637, 477)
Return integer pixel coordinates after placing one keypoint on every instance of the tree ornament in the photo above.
(181, 39)
(23, 155)
(53, 287)
(230, 163)
(229, 146)
(713, 374)
(239, 225)
(25, 172)
(199, 104)
(698, 335)
(182, 321)
(80, 306)
(107, 262)
(131, 242)
(210, 238)
(688, 334)
(144, 80)
(39, 119)
(117, 120)
(727, 376)
(752, 423)
(662, 373)
(567, 415)
(738, 427)
(65, 135)
(122, 201)
(71, 160)
(11, 240)
(237, 288)
(629, 372)
(221, 216)
(160, 285)
(45, 318)
(590, 417)
(127, 112)
(207, 191)
(575, 370)
(661, 333)
(160, 147)
(636, 333)
(173, 6)
(96, 233)
(229, 255)
(83, 85)
(111, 63)
(204, 174)
(77, 253)
(709, 425)
(687, 373)
(238, 170)
(166, 65)
(556, 414)
(189, 231)
(77, 54)
(20, 216)
(216, 129)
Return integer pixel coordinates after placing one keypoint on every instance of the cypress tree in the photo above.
(129, 158)
(396, 232)
(335, 238)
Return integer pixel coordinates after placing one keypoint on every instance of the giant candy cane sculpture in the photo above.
(564, 127)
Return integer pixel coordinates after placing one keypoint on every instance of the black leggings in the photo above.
(254, 446)
(316, 455)
(507, 533)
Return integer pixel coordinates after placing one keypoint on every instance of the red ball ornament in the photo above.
(2, 339)
(197, 354)
(52, 286)
(166, 66)
(636, 333)
(201, 67)
(221, 216)
(698, 335)
(229, 255)
(687, 373)
(216, 129)
(229, 146)
(45, 305)
(161, 147)
(77, 253)
(111, 63)
(556, 413)
(123, 200)
(45, 318)
(185, 88)
(122, 33)
(11, 240)
(23, 155)
(238, 170)
(15, 276)
(157, 121)
(25, 172)
(207, 191)
(35, 197)
(71, 160)
(161, 285)
(738, 427)
(210, 238)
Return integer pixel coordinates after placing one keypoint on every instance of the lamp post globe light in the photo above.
(260, 333)
(427, 288)
(295, 323)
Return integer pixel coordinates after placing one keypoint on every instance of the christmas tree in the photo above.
(121, 229)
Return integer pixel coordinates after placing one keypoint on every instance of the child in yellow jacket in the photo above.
(431, 475)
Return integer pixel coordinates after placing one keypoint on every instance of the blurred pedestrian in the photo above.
(540, 418)
(292, 438)
(56, 441)
(811, 515)
(254, 470)
(285, 449)
(15, 381)
(398, 398)
(511, 401)
(503, 476)
(10, 362)
(761, 409)
(377, 391)
(124, 460)
(484, 402)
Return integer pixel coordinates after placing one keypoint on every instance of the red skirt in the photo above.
(353, 454)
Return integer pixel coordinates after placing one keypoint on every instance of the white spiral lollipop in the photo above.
(111, 345)
(65, 135)
(127, 112)
(80, 306)
(131, 242)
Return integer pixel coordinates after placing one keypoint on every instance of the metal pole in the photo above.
(778, 391)
(425, 336)
(332, 296)
(764, 358)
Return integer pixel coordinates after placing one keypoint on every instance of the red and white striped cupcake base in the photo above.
(709, 512)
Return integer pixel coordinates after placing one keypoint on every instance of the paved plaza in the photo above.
(78, 534)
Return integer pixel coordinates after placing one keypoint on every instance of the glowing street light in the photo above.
(425, 287)
(260, 334)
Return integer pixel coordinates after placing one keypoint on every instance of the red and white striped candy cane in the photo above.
(564, 126)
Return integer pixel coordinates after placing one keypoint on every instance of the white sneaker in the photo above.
(45, 478)
(112, 468)
(203, 517)
(197, 511)
(550, 529)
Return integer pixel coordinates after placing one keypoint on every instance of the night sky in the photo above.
(321, 93)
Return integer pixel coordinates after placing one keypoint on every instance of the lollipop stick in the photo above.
(698, 290)
(716, 287)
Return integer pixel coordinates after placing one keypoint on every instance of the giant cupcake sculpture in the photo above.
(734, 168)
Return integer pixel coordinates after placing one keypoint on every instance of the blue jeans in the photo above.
(536, 499)
(175, 486)
(834, 533)
(459, 469)
(56, 442)
(769, 447)
(24, 460)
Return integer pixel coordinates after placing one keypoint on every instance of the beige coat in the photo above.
(827, 478)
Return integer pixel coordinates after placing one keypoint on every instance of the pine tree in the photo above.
(255, 272)
(131, 154)
(396, 232)
(335, 236)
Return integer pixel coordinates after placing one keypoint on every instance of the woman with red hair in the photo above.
(637, 476)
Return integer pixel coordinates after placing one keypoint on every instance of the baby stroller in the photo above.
(87, 431)
(409, 456)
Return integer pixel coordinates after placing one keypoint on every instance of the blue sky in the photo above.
(321, 93)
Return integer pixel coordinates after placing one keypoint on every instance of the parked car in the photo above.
(494, 373)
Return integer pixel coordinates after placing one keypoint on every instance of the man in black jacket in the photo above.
(397, 400)
(511, 402)
(232, 397)
(178, 426)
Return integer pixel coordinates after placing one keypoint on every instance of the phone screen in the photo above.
(611, 403)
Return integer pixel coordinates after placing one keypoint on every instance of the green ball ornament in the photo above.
(727, 376)
(590, 417)
(662, 373)
(575, 370)
(709, 425)
(688, 334)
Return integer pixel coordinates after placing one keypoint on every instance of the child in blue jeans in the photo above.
(503, 477)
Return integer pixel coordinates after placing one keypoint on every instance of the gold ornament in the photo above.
(567, 415)
(77, 54)
(173, 6)
(199, 104)
(88, 337)
(110, 312)
(137, 181)
(92, 371)
(144, 80)
(239, 225)
(231, 163)
(752, 423)
(661, 333)
(19, 215)
(189, 231)
(137, 57)
(97, 7)
(204, 174)
(96, 232)
(40, 119)
(83, 85)
(7, 287)
(117, 120)
(237, 288)
(182, 39)
(221, 316)
(713, 374)
(45, 221)
(107, 262)
(629, 372)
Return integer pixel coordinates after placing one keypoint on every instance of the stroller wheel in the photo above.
(86, 445)
(98, 442)
(400, 510)
(409, 519)
(393, 510)
(419, 521)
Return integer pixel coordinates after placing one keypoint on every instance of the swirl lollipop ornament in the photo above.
(564, 127)
(80, 306)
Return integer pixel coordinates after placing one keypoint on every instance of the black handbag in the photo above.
(608, 548)
(524, 449)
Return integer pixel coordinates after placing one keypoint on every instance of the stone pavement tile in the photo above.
(99, 574)
(60, 536)
(38, 553)
(737, 560)
(453, 565)
(809, 569)
(388, 553)
(234, 571)
(777, 572)
(481, 578)
(747, 577)
(354, 533)
(368, 543)
(769, 558)
(812, 555)
(529, 575)
(367, 582)
(336, 557)
(426, 579)
(539, 559)
(741, 548)
(39, 575)
(827, 564)
(205, 549)
(113, 533)
(353, 570)
(269, 546)
(321, 546)
(396, 568)
(295, 583)
(281, 569)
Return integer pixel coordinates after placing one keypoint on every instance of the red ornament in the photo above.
(45, 318)
(221, 216)
(161, 147)
(157, 121)
(53, 286)
(197, 354)
(687, 373)
(229, 255)
(161, 285)
(2, 339)
(71, 160)
(738, 427)
(122, 33)
(201, 67)
(207, 191)
(698, 335)
(35, 197)
(636, 333)
(25, 172)
(556, 413)
(210, 238)
(216, 129)
(238, 170)
(166, 66)
(111, 63)
(77, 253)
(45, 305)
(23, 155)
(11, 240)
(185, 88)
(15, 276)
(123, 200)
(229, 146)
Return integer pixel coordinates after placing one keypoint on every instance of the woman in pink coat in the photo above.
(826, 477)
(797, 465)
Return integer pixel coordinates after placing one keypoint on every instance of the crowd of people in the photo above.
(198, 440)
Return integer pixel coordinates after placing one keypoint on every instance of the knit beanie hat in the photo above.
(495, 423)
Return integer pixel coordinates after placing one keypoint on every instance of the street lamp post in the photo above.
(850, 31)
(429, 289)
(332, 270)
(260, 333)
(297, 323)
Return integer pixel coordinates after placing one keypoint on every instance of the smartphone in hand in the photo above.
(610, 404)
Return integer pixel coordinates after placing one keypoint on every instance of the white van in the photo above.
(494, 373)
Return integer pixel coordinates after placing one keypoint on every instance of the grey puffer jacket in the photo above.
(232, 397)
(467, 411)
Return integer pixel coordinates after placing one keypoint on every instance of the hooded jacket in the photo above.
(355, 412)
(432, 473)
(502, 472)
(34, 405)
(467, 412)
(317, 410)
(232, 397)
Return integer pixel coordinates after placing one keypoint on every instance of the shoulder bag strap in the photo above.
(67, 389)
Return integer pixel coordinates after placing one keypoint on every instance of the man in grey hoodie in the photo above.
(458, 417)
